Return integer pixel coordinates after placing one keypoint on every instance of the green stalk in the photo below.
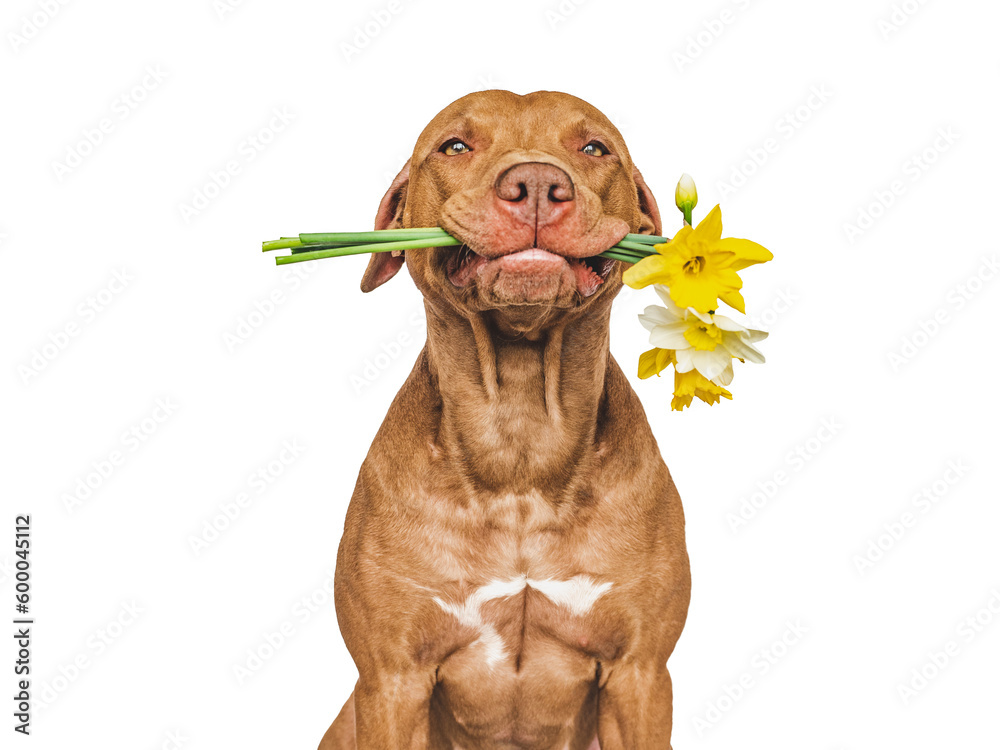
(623, 250)
(619, 256)
(646, 239)
(632, 249)
(352, 239)
(382, 235)
(382, 247)
(637, 247)
(283, 244)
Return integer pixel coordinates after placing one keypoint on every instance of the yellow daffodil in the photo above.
(690, 385)
(700, 266)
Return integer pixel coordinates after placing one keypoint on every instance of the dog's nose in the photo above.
(535, 193)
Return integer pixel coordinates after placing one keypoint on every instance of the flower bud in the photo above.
(686, 195)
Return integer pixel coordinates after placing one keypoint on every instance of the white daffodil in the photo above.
(701, 341)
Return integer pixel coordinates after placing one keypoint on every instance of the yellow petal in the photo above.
(679, 403)
(734, 299)
(747, 253)
(682, 235)
(653, 269)
(647, 364)
(654, 362)
(689, 291)
(711, 397)
(710, 228)
(664, 358)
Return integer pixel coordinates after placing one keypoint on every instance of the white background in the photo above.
(698, 88)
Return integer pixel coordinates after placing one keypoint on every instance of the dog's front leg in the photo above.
(378, 615)
(392, 709)
(635, 707)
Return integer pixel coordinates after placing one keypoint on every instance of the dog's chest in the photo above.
(520, 579)
(504, 622)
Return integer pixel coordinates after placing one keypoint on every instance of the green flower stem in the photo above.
(645, 239)
(637, 248)
(625, 258)
(283, 244)
(632, 249)
(688, 208)
(353, 239)
(382, 235)
(381, 247)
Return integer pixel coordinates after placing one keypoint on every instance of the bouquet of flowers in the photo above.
(691, 273)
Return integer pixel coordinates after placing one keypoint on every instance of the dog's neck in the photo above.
(519, 411)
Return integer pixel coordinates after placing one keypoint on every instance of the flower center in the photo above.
(704, 337)
(694, 265)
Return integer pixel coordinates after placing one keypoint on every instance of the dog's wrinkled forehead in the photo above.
(538, 121)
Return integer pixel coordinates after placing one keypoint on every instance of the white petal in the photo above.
(685, 360)
(654, 315)
(649, 322)
(726, 377)
(712, 363)
(738, 348)
(728, 324)
(753, 336)
(664, 294)
(703, 317)
(669, 337)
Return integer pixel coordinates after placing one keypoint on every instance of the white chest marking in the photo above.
(578, 594)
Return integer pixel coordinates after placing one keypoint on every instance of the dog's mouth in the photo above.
(533, 268)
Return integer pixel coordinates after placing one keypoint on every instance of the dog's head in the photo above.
(536, 187)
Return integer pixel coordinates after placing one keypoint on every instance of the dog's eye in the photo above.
(595, 148)
(454, 148)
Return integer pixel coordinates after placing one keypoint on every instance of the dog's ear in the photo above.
(651, 223)
(383, 266)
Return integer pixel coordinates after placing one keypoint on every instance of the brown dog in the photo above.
(513, 571)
